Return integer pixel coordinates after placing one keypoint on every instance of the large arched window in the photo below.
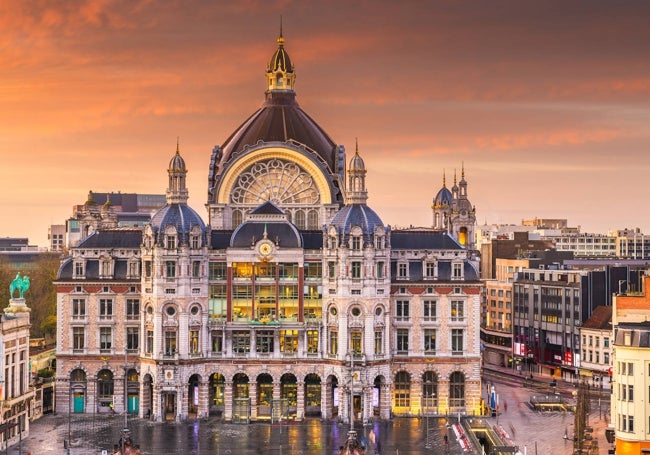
(402, 392)
(457, 390)
(281, 182)
(429, 391)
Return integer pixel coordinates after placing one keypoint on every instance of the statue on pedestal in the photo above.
(20, 284)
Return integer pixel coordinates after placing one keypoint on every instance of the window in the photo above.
(456, 341)
(132, 309)
(134, 269)
(78, 339)
(170, 242)
(334, 342)
(241, 341)
(606, 342)
(379, 342)
(429, 308)
(402, 270)
(147, 269)
(194, 341)
(457, 310)
(606, 358)
(312, 341)
(630, 369)
(106, 268)
(196, 269)
(132, 338)
(78, 308)
(356, 243)
(331, 269)
(457, 390)
(402, 341)
(355, 342)
(457, 270)
(170, 342)
(217, 270)
(380, 270)
(264, 341)
(356, 269)
(402, 310)
(105, 308)
(79, 268)
(402, 392)
(430, 269)
(170, 269)
(429, 341)
(149, 345)
(105, 339)
(216, 338)
(195, 241)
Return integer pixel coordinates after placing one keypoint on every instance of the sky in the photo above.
(546, 104)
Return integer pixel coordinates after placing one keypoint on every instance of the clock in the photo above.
(265, 248)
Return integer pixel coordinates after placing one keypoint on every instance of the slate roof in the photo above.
(283, 234)
(92, 270)
(424, 239)
(356, 215)
(280, 119)
(415, 271)
(181, 216)
(113, 238)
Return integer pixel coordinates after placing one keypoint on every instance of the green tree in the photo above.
(41, 297)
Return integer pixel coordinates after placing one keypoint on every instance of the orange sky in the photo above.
(546, 103)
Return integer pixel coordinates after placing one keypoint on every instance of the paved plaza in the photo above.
(534, 432)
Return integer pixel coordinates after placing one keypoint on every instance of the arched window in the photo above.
(300, 219)
(237, 218)
(312, 219)
(402, 391)
(429, 391)
(456, 390)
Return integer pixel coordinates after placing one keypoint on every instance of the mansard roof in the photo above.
(423, 240)
(113, 238)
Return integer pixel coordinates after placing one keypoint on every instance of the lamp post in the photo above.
(351, 389)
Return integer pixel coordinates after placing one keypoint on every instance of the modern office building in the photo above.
(293, 300)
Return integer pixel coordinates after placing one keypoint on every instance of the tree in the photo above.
(41, 297)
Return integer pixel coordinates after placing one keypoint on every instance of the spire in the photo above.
(444, 179)
(177, 191)
(280, 75)
(357, 193)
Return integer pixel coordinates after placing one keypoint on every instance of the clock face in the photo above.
(265, 249)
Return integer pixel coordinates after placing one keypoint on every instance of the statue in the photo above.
(21, 284)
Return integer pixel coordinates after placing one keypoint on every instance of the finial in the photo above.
(454, 176)
(444, 179)
(462, 175)
(177, 145)
(356, 145)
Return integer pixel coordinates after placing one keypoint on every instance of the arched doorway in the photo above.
(312, 395)
(264, 396)
(241, 399)
(457, 392)
(217, 394)
(133, 391)
(333, 396)
(430, 393)
(78, 387)
(105, 391)
(376, 396)
(193, 396)
(289, 395)
(147, 395)
(402, 393)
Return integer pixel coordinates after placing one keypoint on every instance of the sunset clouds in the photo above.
(546, 103)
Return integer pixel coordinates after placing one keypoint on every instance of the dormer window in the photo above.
(279, 80)
(457, 271)
(356, 243)
(79, 269)
(106, 268)
(170, 242)
(196, 243)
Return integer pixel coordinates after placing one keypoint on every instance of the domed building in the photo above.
(452, 212)
(294, 301)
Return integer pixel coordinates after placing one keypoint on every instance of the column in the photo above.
(300, 401)
(227, 398)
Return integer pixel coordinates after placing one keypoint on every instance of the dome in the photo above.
(356, 215)
(356, 163)
(177, 162)
(180, 216)
(281, 120)
(443, 198)
(280, 60)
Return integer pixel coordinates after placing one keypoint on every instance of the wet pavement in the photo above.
(91, 435)
(532, 431)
